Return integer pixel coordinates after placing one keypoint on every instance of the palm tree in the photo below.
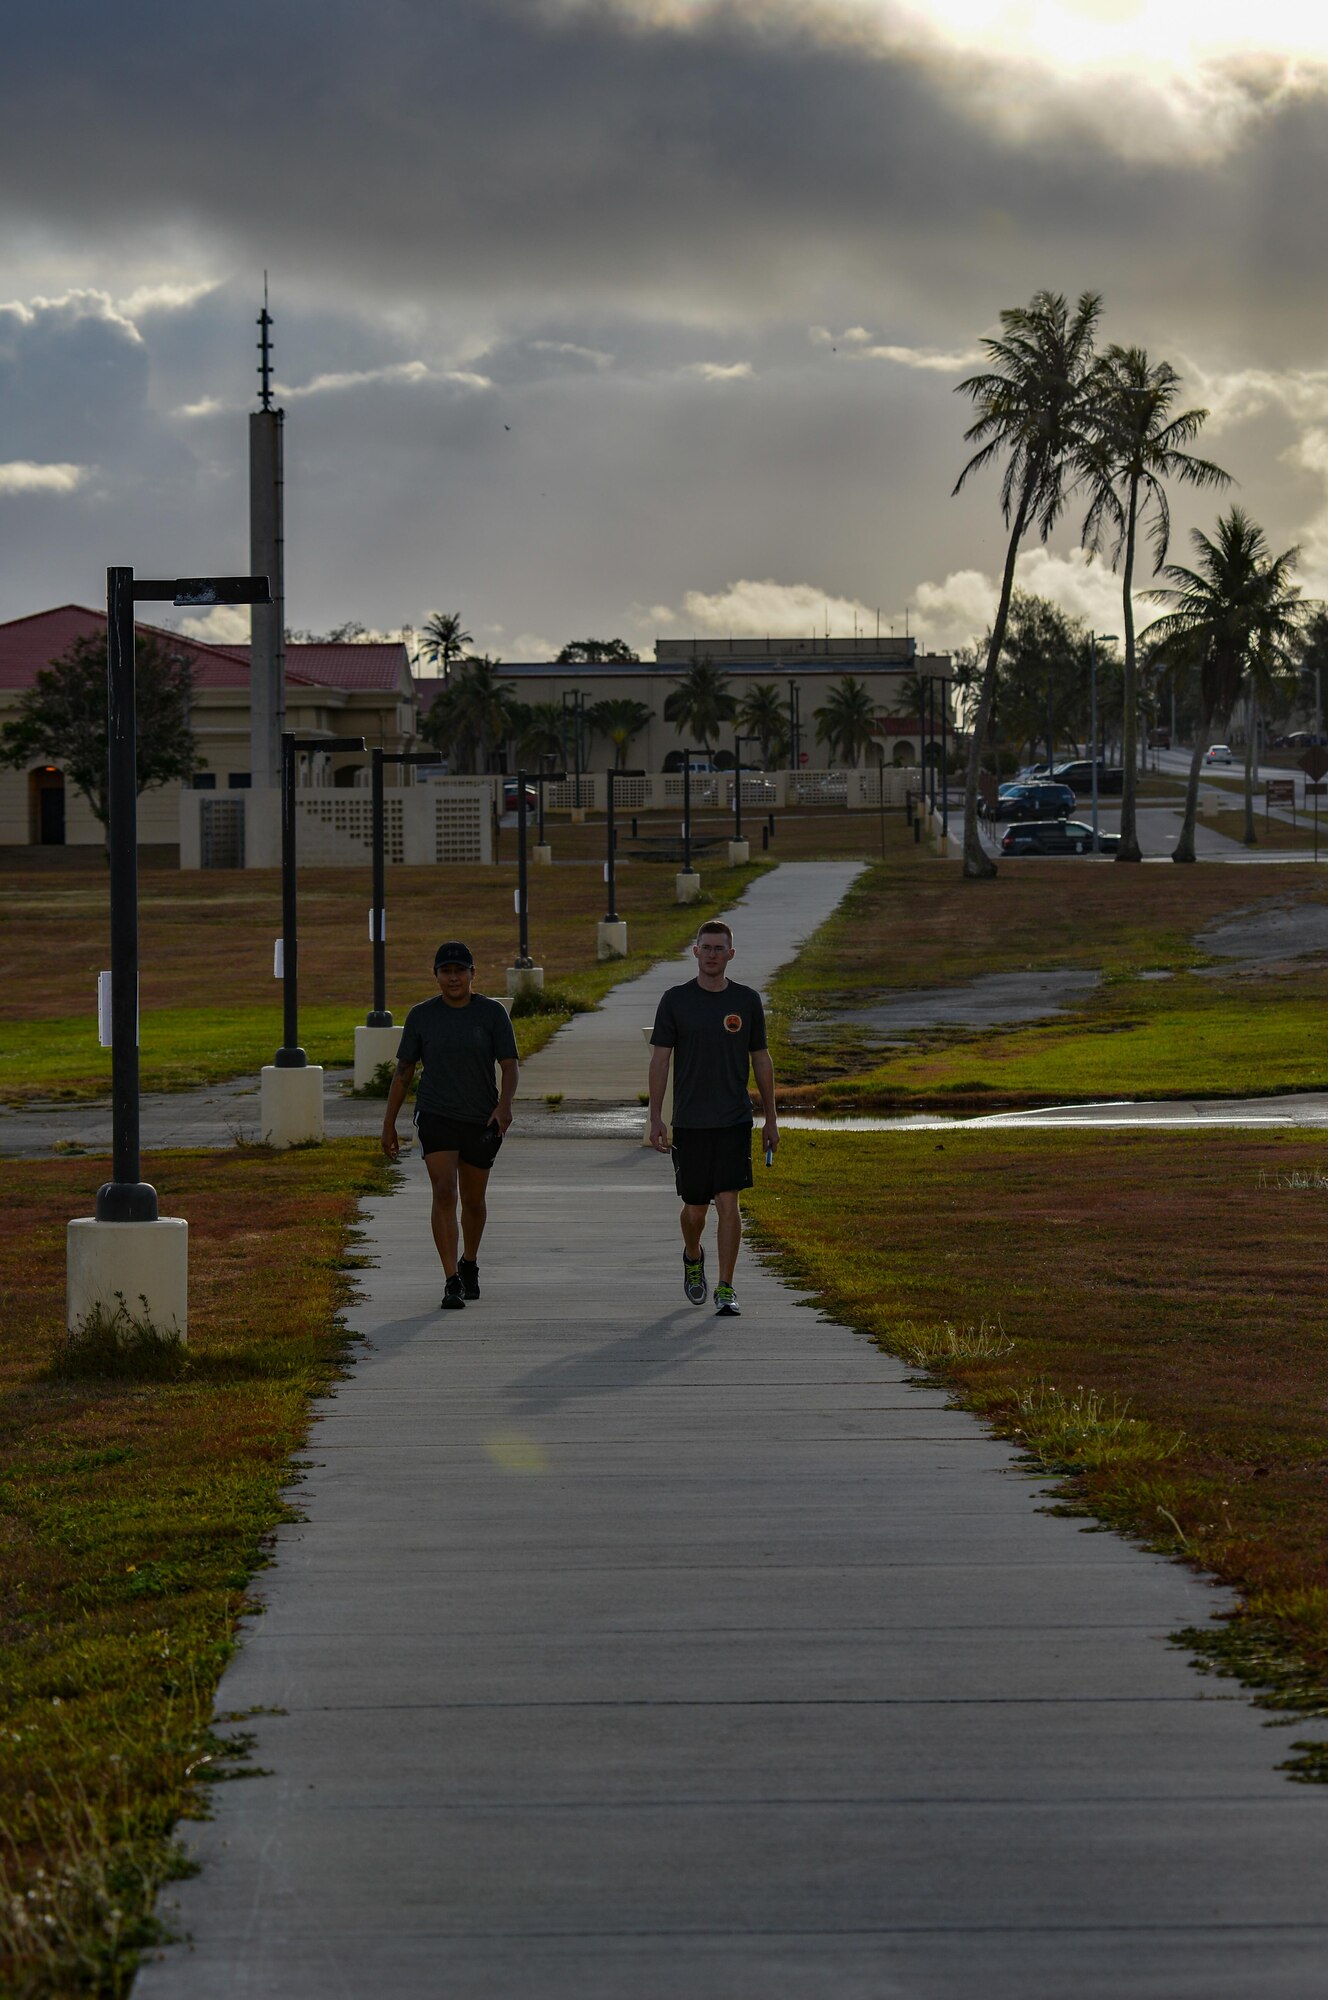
(762, 713)
(1236, 615)
(538, 728)
(701, 704)
(1135, 443)
(443, 640)
(621, 720)
(472, 716)
(845, 722)
(1032, 407)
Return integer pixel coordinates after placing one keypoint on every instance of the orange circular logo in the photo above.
(733, 1023)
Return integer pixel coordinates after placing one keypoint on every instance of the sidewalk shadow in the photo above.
(643, 1356)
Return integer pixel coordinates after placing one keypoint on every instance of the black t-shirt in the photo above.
(459, 1047)
(712, 1036)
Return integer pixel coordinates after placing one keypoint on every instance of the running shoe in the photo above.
(726, 1302)
(454, 1297)
(468, 1271)
(693, 1277)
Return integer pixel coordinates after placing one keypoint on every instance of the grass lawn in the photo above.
(210, 1006)
(1143, 1313)
(913, 923)
(134, 1513)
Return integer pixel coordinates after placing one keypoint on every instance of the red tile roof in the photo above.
(28, 644)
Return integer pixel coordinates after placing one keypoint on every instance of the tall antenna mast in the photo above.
(264, 369)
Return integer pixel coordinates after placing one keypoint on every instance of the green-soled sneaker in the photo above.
(694, 1277)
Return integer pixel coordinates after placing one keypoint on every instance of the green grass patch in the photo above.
(1141, 1314)
(915, 925)
(135, 1503)
(209, 935)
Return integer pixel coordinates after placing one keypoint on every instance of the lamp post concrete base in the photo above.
(579, 815)
(524, 979)
(373, 1046)
(290, 1106)
(611, 938)
(140, 1266)
(542, 854)
(739, 853)
(687, 884)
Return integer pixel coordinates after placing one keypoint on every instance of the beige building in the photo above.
(333, 692)
(807, 669)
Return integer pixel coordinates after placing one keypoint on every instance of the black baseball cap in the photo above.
(452, 954)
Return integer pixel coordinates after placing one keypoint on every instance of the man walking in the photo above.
(712, 1029)
(460, 1113)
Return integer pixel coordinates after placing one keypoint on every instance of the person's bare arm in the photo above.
(659, 1078)
(763, 1071)
(509, 1069)
(395, 1096)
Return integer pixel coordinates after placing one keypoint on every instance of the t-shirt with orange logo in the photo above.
(713, 1037)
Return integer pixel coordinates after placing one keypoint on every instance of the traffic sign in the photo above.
(1315, 762)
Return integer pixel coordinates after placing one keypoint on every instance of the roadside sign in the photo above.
(804, 756)
(1281, 791)
(1313, 791)
(1315, 762)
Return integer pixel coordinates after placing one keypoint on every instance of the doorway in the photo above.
(46, 806)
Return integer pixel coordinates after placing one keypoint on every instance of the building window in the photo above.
(238, 781)
(205, 781)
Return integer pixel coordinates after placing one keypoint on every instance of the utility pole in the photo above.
(267, 557)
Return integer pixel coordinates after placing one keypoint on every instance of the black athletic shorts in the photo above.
(710, 1160)
(477, 1144)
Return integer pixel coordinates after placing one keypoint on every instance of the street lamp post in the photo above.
(687, 883)
(125, 1249)
(1108, 639)
(739, 849)
(524, 976)
(880, 794)
(376, 1041)
(290, 1095)
(574, 702)
(611, 932)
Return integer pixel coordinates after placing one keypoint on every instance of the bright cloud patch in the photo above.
(718, 371)
(961, 608)
(770, 610)
(405, 372)
(224, 625)
(20, 475)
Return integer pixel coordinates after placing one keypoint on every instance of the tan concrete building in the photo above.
(806, 668)
(334, 692)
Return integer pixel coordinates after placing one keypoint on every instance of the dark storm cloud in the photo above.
(488, 150)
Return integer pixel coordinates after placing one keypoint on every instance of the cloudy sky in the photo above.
(633, 316)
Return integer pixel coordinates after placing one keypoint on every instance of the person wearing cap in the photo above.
(461, 1113)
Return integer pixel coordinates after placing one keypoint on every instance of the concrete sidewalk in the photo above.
(625, 1650)
(622, 1650)
(601, 1057)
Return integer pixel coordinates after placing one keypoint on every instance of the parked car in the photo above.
(1217, 753)
(511, 786)
(1056, 836)
(1033, 802)
(1079, 777)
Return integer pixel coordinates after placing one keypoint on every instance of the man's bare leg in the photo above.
(729, 1232)
(442, 1170)
(693, 1222)
(474, 1182)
